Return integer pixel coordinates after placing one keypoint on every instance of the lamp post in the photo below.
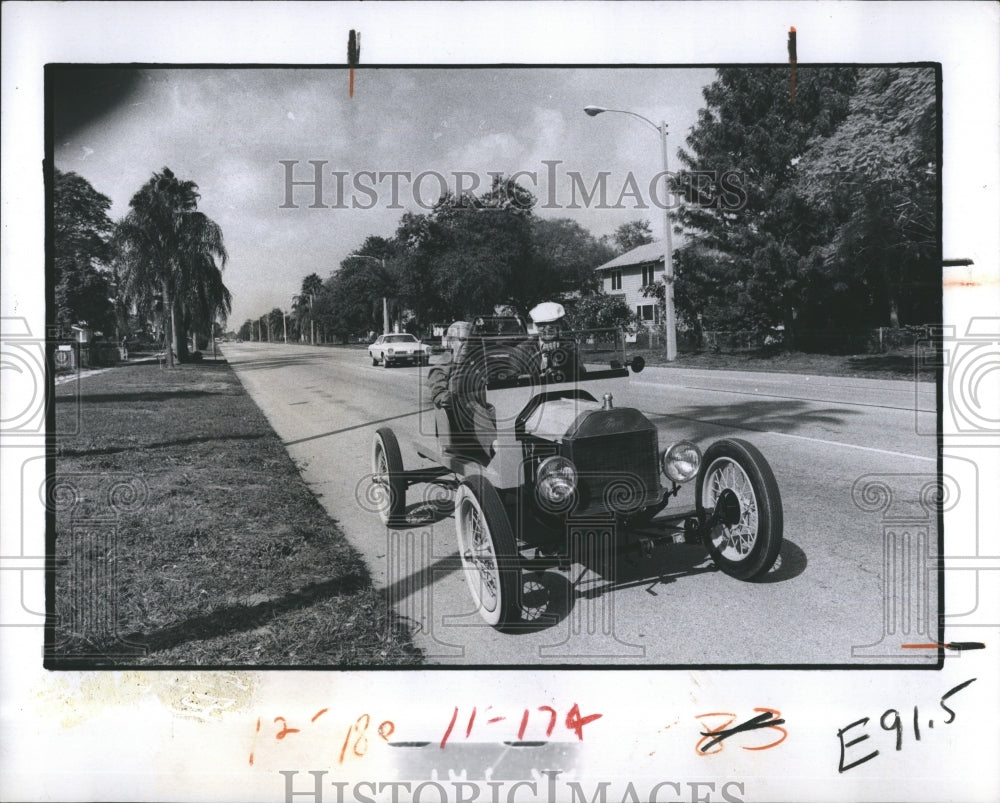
(284, 325)
(668, 252)
(385, 301)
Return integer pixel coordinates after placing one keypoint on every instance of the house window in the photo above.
(616, 280)
(648, 276)
(647, 312)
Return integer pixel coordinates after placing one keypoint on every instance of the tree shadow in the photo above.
(133, 447)
(143, 396)
(268, 363)
(757, 415)
(222, 621)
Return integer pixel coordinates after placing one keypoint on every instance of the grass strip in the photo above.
(902, 364)
(185, 536)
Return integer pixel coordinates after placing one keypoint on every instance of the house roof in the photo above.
(650, 252)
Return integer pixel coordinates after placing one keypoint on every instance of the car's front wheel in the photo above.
(488, 552)
(746, 539)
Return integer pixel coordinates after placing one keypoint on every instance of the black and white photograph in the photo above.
(521, 417)
(406, 368)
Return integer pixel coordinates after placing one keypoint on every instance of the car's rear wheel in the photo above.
(387, 477)
(735, 477)
(488, 552)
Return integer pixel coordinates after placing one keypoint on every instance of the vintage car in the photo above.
(397, 349)
(550, 452)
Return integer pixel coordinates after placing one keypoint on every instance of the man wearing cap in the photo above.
(458, 387)
(554, 354)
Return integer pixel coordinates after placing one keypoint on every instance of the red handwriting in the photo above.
(766, 719)
(574, 721)
(355, 739)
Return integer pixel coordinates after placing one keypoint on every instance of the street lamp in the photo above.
(668, 252)
(385, 302)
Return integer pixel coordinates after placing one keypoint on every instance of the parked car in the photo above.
(560, 456)
(396, 349)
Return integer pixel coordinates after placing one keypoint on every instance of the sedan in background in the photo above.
(399, 349)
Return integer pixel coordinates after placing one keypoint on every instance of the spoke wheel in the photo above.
(387, 477)
(488, 552)
(735, 476)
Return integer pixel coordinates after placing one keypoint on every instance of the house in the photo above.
(628, 273)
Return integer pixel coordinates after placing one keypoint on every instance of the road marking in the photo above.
(814, 381)
(796, 437)
(852, 446)
(776, 396)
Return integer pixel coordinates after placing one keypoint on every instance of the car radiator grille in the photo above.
(618, 473)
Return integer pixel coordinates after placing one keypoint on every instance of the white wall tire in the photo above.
(488, 552)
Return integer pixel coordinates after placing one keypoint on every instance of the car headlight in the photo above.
(681, 461)
(555, 481)
(388, 351)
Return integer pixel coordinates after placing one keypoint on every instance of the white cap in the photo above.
(547, 312)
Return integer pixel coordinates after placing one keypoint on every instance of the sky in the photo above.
(230, 130)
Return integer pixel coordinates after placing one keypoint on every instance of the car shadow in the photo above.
(791, 562)
(550, 594)
(430, 510)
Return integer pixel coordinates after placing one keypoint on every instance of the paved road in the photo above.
(822, 604)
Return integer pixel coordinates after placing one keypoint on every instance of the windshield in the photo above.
(400, 339)
(581, 355)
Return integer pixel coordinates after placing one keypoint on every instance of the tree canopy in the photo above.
(874, 181)
(467, 256)
(82, 281)
(836, 221)
(166, 246)
(631, 235)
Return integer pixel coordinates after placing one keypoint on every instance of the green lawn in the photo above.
(898, 364)
(184, 535)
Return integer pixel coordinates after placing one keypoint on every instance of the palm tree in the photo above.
(167, 247)
(303, 303)
(205, 298)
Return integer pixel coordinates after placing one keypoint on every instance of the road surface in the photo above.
(855, 460)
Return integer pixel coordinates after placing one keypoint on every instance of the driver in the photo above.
(554, 353)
